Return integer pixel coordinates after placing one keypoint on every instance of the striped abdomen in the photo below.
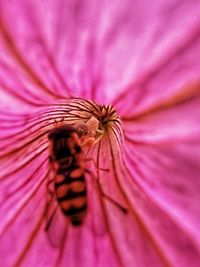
(67, 160)
(71, 194)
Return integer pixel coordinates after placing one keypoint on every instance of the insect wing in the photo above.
(56, 225)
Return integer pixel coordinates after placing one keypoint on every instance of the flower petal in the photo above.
(162, 154)
(144, 204)
(83, 59)
(169, 63)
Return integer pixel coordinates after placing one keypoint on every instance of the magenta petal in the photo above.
(168, 204)
(142, 173)
(78, 52)
(170, 60)
(163, 156)
(168, 125)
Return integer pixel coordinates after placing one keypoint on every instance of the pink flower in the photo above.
(67, 62)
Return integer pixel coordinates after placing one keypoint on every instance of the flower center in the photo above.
(91, 120)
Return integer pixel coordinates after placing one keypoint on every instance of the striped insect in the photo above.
(66, 158)
(68, 164)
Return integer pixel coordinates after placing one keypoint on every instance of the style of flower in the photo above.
(125, 75)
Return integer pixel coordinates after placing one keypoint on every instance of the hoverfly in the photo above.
(66, 158)
(68, 164)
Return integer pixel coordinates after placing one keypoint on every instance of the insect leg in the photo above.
(95, 164)
(48, 205)
(56, 228)
(48, 223)
(51, 214)
(49, 190)
(123, 209)
(50, 193)
(118, 205)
